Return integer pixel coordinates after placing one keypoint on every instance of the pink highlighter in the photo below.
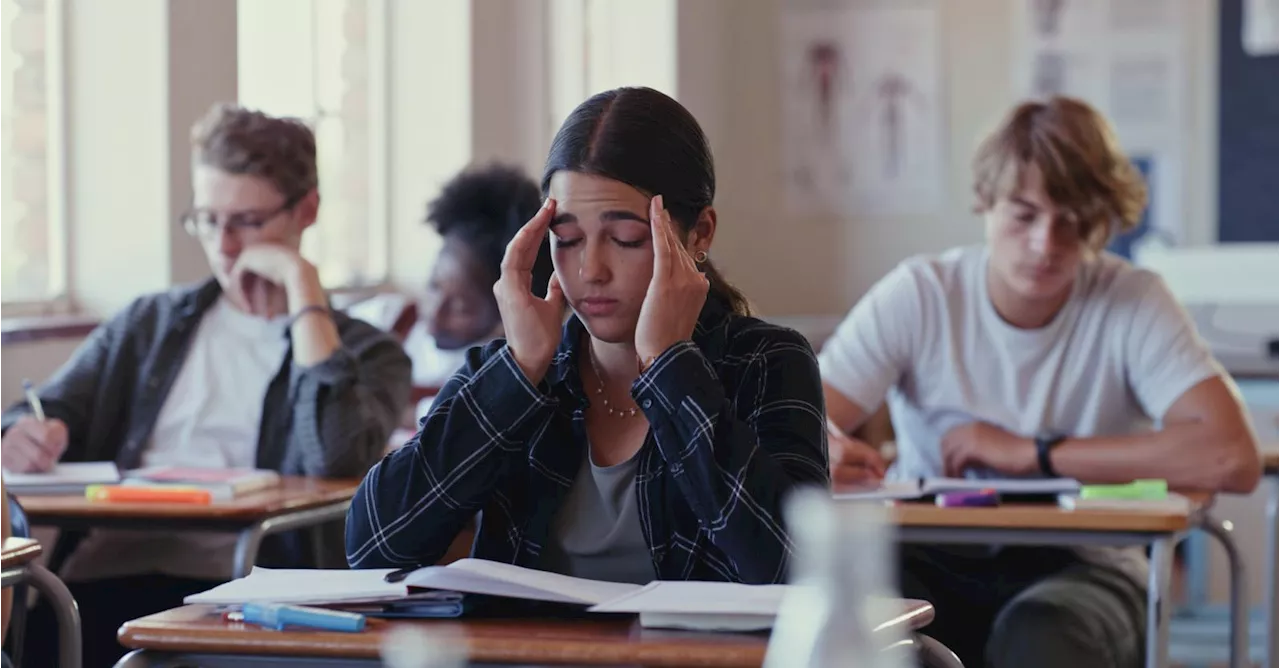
(980, 499)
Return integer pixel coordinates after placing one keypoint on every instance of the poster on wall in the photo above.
(861, 107)
(1127, 58)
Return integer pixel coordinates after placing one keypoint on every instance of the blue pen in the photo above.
(277, 616)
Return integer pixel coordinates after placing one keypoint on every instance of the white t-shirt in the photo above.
(210, 418)
(1115, 358)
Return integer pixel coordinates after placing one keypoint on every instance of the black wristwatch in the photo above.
(1046, 442)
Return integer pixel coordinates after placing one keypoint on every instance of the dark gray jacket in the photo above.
(332, 419)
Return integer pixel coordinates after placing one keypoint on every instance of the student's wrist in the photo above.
(302, 283)
(1029, 457)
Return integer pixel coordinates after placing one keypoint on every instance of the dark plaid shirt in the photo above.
(736, 422)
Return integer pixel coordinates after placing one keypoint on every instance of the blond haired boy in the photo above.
(1037, 354)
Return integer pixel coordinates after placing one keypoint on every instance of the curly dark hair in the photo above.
(483, 208)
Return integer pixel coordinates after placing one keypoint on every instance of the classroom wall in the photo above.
(728, 55)
(34, 360)
(489, 82)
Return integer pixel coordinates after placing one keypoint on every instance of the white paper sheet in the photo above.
(64, 478)
(480, 576)
(1261, 27)
(1002, 485)
(913, 489)
(707, 598)
(721, 606)
(276, 585)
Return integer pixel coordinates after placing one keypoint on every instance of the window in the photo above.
(597, 45)
(32, 241)
(316, 60)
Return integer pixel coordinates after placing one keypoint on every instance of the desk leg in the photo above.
(1239, 596)
(247, 550)
(1158, 602)
(934, 654)
(1273, 575)
(316, 534)
(251, 536)
(64, 606)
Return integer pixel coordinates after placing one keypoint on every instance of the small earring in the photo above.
(700, 256)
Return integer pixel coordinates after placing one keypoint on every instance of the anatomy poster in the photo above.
(862, 107)
(1127, 58)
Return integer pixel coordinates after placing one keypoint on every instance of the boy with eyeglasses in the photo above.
(249, 369)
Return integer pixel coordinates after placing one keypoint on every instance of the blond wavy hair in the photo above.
(1079, 158)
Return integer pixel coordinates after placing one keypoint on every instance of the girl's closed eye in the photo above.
(630, 243)
(567, 243)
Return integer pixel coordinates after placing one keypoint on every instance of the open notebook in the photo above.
(665, 604)
(922, 487)
(472, 576)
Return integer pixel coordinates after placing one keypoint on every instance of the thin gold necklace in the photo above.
(604, 400)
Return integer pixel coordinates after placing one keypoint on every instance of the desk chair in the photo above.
(18, 528)
(395, 314)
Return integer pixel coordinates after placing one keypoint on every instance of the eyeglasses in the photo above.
(203, 223)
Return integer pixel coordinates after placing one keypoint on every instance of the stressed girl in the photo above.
(655, 434)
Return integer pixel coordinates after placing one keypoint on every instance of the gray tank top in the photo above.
(596, 533)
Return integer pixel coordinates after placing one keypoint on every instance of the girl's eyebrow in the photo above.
(610, 216)
(614, 215)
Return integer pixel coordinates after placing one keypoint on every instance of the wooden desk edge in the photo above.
(196, 629)
(294, 495)
(19, 552)
(1045, 517)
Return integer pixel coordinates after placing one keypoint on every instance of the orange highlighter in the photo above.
(148, 494)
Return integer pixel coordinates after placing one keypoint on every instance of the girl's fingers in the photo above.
(522, 252)
(659, 231)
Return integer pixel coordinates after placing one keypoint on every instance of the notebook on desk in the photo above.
(65, 478)
(478, 586)
(222, 484)
(468, 576)
(1048, 488)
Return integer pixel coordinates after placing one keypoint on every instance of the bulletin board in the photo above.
(1247, 135)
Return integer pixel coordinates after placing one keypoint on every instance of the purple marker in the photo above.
(980, 499)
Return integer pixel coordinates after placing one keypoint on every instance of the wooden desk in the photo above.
(18, 552)
(1040, 524)
(297, 503)
(194, 633)
(17, 566)
(1039, 517)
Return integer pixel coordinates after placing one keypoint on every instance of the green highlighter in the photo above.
(1138, 489)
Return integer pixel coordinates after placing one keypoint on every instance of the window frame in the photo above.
(377, 203)
(59, 301)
